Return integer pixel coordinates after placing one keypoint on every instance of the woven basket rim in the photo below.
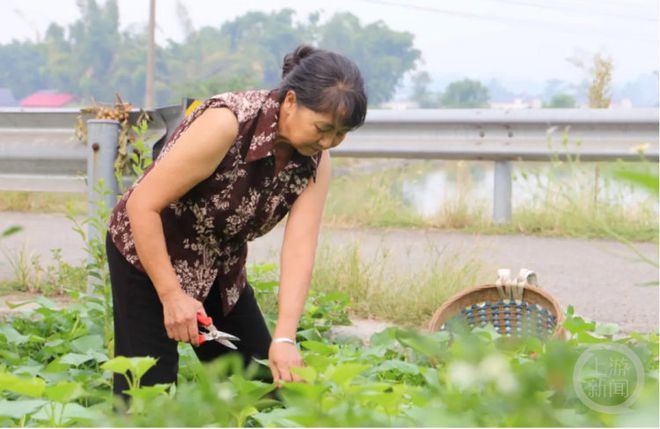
(442, 314)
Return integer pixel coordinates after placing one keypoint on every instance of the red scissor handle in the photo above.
(204, 320)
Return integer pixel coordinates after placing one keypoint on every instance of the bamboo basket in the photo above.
(516, 307)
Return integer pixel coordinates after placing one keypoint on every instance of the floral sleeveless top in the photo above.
(207, 230)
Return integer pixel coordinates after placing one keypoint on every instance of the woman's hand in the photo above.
(281, 358)
(180, 316)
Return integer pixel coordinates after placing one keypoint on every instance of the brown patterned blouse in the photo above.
(207, 230)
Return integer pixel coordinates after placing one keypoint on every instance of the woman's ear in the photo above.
(290, 99)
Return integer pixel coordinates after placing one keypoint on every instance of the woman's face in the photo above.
(308, 131)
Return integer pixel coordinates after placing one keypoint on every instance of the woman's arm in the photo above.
(296, 265)
(194, 157)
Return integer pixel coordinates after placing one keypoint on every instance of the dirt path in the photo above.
(600, 278)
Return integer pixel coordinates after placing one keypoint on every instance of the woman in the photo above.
(177, 240)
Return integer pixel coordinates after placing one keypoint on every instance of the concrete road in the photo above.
(602, 279)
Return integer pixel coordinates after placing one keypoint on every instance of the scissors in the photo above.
(208, 332)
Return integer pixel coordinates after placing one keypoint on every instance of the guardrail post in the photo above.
(102, 187)
(502, 193)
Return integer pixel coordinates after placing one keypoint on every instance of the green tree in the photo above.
(269, 37)
(560, 101)
(21, 66)
(57, 70)
(93, 59)
(95, 40)
(383, 55)
(422, 95)
(465, 94)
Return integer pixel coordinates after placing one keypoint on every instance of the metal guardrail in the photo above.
(38, 151)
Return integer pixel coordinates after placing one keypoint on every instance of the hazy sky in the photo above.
(519, 39)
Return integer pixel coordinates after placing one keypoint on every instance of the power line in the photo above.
(505, 19)
(560, 7)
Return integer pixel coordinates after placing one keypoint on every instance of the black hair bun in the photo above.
(292, 59)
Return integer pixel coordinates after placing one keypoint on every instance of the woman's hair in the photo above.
(325, 82)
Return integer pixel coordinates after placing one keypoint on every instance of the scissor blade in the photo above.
(227, 344)
(224, 335)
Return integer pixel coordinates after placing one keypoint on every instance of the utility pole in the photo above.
(151, 58)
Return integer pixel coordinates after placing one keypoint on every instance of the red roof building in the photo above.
(47, 99)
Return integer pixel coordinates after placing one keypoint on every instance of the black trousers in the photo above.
(140, 329)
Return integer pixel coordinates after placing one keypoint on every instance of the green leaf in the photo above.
(570, 310)
(585, 337)
(570, 417)
(309, 334)
(577, 324)
(31, 370)
(307, 373)
(607, 329)
(75, 359)
(13, 306)
(11, 230)
(46, 303)
(141, 365)
(12, 335)
(279, 417)
(319, 347)
(533, 344)
(24, 386)
(489, 331)
(296, 392)
(97, 356)
(244, 414)
(648, 181)
(64, 391)
(69, 413)
(344, 373)
(18, 409)
(420, 343)
(119, 365)
(87, 343)
(136, 365)
(149, 392)
(398, 365)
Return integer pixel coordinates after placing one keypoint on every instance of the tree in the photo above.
(598, 83)
(600, 89)
(21, 66)
(95, 40)
(464, 94)
(383, 55)
(498, 92)
(422, 95)
(560, 101)
(93, 59)
(554, 87)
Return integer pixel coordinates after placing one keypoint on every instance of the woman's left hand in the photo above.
(281, 358)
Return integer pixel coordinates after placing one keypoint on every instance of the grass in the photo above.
(561, 200)
(30, 275)
(394, 288)
(42, 202)
(383, 288)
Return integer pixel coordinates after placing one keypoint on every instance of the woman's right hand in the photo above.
(180, 316)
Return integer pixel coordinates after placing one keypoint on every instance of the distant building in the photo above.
(399, 105)
(48, 98)
(624, 103)
(7, 98)
(518, 103)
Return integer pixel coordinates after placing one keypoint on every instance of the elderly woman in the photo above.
(177, 240)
